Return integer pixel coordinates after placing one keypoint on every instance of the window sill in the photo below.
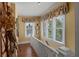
(52, 43)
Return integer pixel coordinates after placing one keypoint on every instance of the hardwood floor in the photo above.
(25, 50)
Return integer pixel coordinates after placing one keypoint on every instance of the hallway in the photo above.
(39, 29)
(25, 50)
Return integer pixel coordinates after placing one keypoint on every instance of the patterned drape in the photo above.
(61, 9)
(8, 44)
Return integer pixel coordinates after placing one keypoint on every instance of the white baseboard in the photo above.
(24, 42)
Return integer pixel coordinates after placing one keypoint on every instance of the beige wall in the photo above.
(22, 37)
(21, 29)
(70, 28)
(38, 29)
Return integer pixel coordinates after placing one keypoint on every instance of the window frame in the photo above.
(63, 29)
(50, 29)
(32, 23)
(45, 28)
(54, 29)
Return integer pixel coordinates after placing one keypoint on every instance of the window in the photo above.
(50, 29)
(29, 29)
(55, 28)
(60, 28)
(45, 28)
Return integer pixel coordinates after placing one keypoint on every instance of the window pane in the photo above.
(59, 35)
(50, 29)
(44, 27)
(59, 23)
(29, 29)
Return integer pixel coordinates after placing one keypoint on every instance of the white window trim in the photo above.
(54, 30)
(33, 28)
(63, 42)
(51, 28)
(46, 27)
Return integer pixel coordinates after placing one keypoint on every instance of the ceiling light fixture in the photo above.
(38, 3)
(32, 6)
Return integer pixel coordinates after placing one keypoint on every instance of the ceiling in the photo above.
(33, 8)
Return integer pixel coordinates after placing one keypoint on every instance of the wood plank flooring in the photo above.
(25, 50)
